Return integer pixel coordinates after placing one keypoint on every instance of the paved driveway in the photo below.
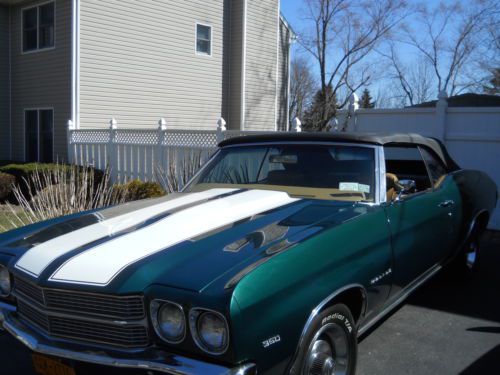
(447, 327)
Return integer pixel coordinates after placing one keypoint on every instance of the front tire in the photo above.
(330, 344)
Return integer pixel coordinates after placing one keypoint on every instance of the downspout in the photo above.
(75, 65)
(243, 68)
(278, 43)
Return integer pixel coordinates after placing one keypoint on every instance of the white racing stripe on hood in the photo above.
(35, 260)
(99, 265)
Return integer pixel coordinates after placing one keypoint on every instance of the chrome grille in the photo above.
(39, 319)
(126, 336)
(91, 304)
(29, 290)
(83, 316)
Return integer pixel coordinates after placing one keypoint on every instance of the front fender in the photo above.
(277, 298)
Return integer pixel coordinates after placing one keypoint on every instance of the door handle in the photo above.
(447, 203)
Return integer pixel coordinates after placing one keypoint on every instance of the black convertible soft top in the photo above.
(366, 138)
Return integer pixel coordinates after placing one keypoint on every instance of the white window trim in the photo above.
(196, 39)
(38, 109)
(37, 5)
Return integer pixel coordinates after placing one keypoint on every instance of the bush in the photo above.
(59, 191)
(30, 176)
(6, 184)
(135, 190)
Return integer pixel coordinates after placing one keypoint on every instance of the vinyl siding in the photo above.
(42, 79)
(138, 63)
(261, 60)
(4, 84)
(283, 71)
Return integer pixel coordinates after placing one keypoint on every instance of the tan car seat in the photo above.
(391, 179)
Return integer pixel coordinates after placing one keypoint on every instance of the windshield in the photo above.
(334, 172)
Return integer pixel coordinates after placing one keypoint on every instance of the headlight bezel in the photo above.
(5, 270)
(155, 308)
(194, 316)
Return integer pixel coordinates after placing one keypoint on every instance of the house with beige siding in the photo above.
(189, 62)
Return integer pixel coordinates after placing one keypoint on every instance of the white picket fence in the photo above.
(143, 153)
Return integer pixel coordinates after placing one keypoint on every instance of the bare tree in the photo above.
(302, 87)
(342, 34)
(413, 82)
(448, 36)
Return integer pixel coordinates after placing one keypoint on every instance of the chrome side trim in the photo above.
(317, 310)
(399, 298)
(152, 359)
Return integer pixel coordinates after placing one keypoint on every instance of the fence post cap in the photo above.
(113, 124)
(296, 125)
(221, 124)
(71, 125)
(353, 99)
(162, 124)
(442, 95)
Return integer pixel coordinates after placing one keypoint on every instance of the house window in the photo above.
(39, 130)
(38, 27)
(203, 39)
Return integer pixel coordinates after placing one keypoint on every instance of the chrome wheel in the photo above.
(471, 255)
(328, 353)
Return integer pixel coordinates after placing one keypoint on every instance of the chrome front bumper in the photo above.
(150, 359)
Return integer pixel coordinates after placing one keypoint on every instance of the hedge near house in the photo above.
(7, 182)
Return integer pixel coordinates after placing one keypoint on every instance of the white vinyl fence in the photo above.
(471, 134)
(144, 153)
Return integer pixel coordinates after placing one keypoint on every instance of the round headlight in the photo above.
(169, 321)
(212, 332)
(5, 285)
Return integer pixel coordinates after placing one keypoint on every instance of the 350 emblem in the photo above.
(271, 341)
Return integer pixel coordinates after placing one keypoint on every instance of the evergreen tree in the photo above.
(322, 109)
(366, 100)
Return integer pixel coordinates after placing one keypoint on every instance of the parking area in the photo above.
(449, 326)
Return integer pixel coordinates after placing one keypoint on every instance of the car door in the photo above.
(419, 221)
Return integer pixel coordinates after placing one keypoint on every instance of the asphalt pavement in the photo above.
(449, 326)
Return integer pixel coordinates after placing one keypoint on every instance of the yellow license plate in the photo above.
(48, 366)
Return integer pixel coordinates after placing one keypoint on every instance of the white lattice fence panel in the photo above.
(149, 154)
(190, 138)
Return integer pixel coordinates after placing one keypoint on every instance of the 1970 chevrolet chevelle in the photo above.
(279, 253)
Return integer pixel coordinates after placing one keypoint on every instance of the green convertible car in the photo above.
(280, 252)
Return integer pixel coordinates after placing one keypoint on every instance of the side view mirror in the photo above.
(405, 187)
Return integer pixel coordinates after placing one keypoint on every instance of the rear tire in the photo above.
(330, 344)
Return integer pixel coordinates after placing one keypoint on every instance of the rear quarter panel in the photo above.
(278, 297)
(478, 192)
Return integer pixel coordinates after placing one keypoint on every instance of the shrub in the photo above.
(60, 191)
(29, 176)
(7, 182)
(135, 190)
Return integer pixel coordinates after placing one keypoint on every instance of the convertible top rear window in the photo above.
(335, 172)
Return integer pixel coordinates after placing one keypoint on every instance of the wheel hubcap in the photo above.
(328, 353)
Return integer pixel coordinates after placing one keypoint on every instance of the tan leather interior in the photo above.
(391, 180)
(294, 191)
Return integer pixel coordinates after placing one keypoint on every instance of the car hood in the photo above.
(186, 240)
